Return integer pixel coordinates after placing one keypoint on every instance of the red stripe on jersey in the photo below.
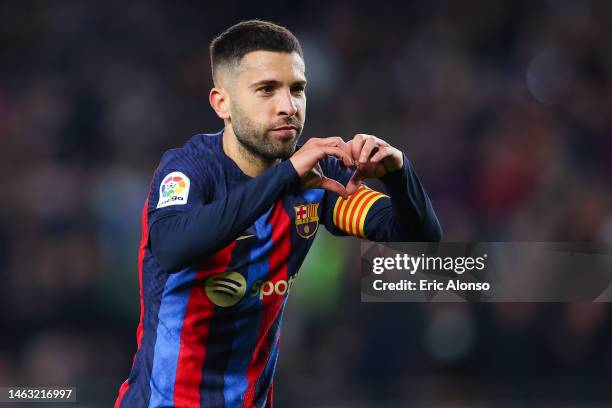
(122, 391)
(361, 233)
(356, 199)
(271, 305)
(342, 217)
(194, 332)
(270, 399)
(144, 237)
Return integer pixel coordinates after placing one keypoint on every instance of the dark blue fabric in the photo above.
(182, 234)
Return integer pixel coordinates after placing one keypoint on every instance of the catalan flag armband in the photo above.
(350, 214)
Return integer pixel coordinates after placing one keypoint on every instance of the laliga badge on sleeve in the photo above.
(174, 190)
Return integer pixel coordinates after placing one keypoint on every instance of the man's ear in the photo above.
(219, 100)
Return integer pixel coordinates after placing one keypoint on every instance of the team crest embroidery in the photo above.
(306, 219)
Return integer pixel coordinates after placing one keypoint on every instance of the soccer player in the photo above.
(230, 217)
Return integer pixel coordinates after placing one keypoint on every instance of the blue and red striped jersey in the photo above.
(218, 256)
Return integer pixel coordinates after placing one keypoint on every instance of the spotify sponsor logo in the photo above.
(225, 289)
(266, 288)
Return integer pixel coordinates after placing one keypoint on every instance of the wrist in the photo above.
(398, 174)
(395, 161)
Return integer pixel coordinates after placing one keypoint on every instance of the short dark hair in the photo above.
(247, 36)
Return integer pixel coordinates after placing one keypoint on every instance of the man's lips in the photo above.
(289, 127)
(285, 131)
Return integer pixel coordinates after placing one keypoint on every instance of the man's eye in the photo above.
(297, 89)
(266, 89)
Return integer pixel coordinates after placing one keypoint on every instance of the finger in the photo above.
(332, 141)
(354, 183)
(310, 179)
(334, 187)
(339, 154)
(337, 141)
(349, 151)
(356, 145)
(366, 150)
(381, 154)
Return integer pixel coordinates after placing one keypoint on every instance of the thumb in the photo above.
(354, 183)
(334, 187)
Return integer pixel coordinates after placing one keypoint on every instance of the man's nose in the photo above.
(286, 104)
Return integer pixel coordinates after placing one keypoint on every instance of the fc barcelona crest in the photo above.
(306, 219)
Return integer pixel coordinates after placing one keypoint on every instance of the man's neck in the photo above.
(250, 163)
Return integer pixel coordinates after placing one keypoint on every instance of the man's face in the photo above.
(268, 103)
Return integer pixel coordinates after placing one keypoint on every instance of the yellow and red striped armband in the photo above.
(350, 214)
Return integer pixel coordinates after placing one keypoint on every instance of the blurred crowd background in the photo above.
(505, 108)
